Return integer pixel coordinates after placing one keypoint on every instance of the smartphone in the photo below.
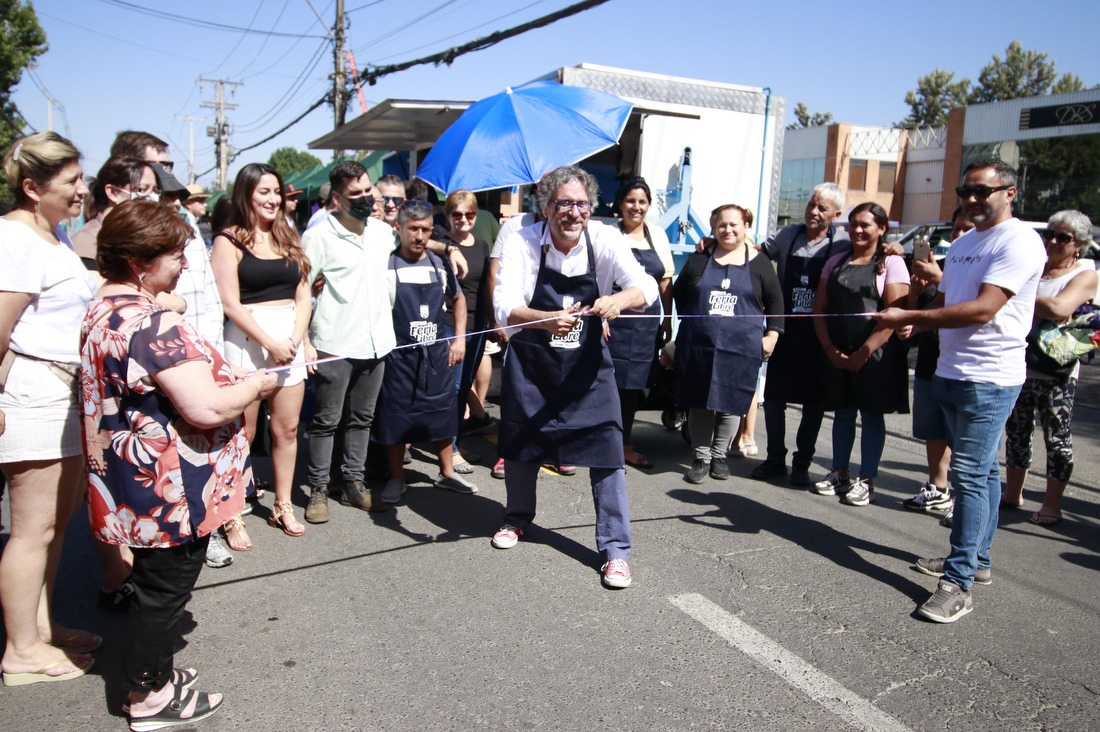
(921, 251)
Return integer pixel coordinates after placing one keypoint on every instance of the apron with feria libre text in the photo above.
(559, 402)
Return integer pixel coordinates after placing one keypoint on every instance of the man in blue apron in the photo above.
(559, 402)
(800, 252)
(418, 401)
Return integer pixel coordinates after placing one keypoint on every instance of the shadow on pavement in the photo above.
(750, 517)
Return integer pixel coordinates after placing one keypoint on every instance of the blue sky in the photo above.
(115, 68)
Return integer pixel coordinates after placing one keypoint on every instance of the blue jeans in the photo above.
(872, 440)
(608, 493)
(775, 422)
(975, 414)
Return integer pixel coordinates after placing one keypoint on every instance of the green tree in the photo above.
(936, 95)
(805, 119)
(1068, 83)
(22, 40)
(1021, 74)
(287, 160)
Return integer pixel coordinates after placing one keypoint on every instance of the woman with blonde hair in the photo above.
(263, 277)
(44, 292)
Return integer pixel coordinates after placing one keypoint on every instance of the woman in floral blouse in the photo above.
(167, 456)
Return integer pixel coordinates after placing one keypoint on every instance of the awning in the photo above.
(416, 124)
(395, 124)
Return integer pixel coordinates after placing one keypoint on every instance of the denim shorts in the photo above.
(928, 419)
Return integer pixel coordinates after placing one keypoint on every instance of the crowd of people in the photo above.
(136, 359)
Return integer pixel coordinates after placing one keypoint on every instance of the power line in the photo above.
(202, 23)
(243, 36)
(368, 5)
(289, 93)
(406, 25)
(448, 56)
(93, 33)
(464, 31)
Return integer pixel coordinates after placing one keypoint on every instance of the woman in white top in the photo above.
(44, 292)
(1049, 389)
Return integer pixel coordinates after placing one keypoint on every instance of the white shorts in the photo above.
(41, 415)
(278, 322)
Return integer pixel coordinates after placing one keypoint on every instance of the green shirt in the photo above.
(353, 316)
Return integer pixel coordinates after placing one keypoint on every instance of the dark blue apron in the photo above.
(718, 358)
(417, 401)
(882, 385)
(793, 366)
(633, 342)
(559, 403)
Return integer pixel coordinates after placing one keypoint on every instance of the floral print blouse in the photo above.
(153, 479)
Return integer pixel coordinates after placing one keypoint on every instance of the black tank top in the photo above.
(264, 280)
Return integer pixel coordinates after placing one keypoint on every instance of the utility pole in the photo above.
(191, 152)
(339, 77)
(221, 127)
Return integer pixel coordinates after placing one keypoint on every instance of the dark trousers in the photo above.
(629, 399)
(163, 580)
(359, 381)
(775, 422)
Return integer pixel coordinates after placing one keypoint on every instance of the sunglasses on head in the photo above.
(979, 191)
(413, 203)
(468, 215)
(1061, 238)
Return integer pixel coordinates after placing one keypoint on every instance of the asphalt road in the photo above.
(754, 606)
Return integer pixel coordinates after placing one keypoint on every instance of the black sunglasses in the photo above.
(1061, 238)
(413, 203)
(393, 200)
(980, 192)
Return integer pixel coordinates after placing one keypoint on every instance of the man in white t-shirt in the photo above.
(986, 302)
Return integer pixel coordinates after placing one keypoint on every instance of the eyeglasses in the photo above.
(468, 215)
(980, 192)
(563, 206)
(393, 200)
(1061, 238)
(413, 203)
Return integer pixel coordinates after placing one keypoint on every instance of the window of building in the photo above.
(886, 174)
(857, 176)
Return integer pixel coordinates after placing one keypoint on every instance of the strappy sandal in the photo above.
(182, 679)
(284, 508)
(172, 713)
(236, 524)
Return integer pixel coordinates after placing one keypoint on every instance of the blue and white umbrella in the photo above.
(519, 135)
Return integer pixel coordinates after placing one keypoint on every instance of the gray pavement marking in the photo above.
(816, 684)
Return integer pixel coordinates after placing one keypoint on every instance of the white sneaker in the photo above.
(393, 491)
(506, 537)
(930, 498)
(861, 493)
(831, 485)
(217, 555)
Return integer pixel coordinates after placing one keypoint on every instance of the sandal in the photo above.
(281, 509)
(638, 460)
(172, 713)
(1044, 519)
(182, 678)
(244, 542)
(75, 641)
(261, 487)
(40, 676)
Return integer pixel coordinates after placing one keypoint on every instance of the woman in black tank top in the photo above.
(262, 274)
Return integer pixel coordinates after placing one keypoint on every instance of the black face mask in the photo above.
(361, 208)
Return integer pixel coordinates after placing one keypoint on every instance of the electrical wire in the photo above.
(93, 33)
(201, 23)
(240, 40)
(368, 5)
(406, 25)
(288, 95)
(462, 32)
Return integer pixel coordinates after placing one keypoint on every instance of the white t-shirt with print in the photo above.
(1009, 255)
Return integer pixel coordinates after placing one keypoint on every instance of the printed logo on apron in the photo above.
(802, 297)
(722, 303)
(423, 331)
(726, 283)
(572, 339)
(424, 311)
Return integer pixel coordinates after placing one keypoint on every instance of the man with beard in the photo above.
(987, 298)
(559, 402)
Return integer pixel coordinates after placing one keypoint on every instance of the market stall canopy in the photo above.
(518, 135)
(395, 124)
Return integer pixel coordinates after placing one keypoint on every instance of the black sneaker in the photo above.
(930, 498)
(698, 471)
(719, 469)
(949, 603)
(800, 476)
(768, 470)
